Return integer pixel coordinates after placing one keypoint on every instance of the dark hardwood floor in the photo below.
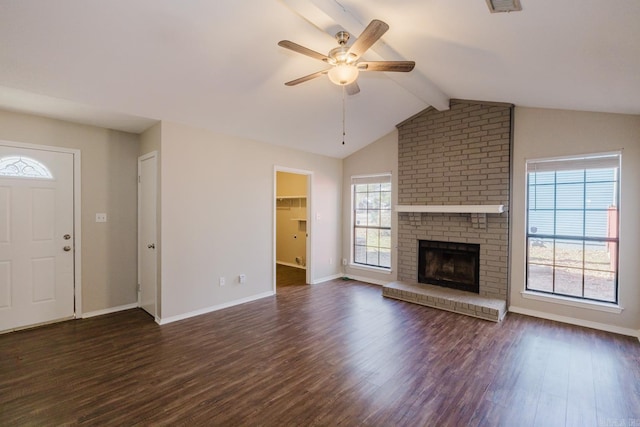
(330, 354)
(290, 276)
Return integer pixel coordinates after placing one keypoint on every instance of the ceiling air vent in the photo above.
(496, 6)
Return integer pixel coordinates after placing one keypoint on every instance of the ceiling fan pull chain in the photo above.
(343, 113)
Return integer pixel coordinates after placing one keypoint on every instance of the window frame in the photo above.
(381, 178)
(582, 163)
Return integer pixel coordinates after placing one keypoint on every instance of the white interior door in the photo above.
(36, 237)
(147, 268)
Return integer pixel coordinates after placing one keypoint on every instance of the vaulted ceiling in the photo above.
(215, 64)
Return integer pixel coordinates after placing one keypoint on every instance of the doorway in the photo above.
(292, 227)
(39, 238)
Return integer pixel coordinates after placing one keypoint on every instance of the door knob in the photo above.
(67, 248)
(151, 246)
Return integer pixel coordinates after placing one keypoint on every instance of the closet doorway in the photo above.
(292, 231)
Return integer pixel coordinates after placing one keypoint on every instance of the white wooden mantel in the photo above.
(485, 209)
(478, 213)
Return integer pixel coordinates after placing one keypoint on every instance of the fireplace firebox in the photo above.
(449, 264)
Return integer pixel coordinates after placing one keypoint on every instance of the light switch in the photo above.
(101, 217)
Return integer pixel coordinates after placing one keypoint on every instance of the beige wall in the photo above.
(150, 139)
(541, 133)
(109, 184)
(218, 217)
(291, 184)
(291, 240)
(378, 157)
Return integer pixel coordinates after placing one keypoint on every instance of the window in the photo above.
(23, 167)
(572, 227)
(372, 221)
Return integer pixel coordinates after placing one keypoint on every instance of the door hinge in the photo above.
(138, 288)
(139, 179)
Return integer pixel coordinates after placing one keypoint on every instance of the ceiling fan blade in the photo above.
(369, 36)
(352, 88)
(400, 66)
(303, 50)
(307, 78)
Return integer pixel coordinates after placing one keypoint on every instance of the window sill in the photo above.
(557, 299)
(370, 268)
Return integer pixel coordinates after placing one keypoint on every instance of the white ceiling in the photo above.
(215, 64)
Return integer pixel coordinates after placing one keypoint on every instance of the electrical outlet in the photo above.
(344, 261)
(101, 217)
(222, 281)
(242, 278)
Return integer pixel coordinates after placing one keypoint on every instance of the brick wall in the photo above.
(456, 157)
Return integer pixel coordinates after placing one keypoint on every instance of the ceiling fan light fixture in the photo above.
(343, 74)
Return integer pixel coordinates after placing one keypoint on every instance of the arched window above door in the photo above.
(23, 167)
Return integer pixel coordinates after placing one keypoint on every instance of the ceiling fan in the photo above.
(345, 61)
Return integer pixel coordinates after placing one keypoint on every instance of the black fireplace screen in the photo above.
(449, 264)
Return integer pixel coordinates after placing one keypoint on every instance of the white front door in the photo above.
(147, 251)
(36, 237)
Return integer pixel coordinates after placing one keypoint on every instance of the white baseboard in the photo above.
(578, 322)
(326, 278)
(164, 321)
(366, 279)
(109, 310)
(289, 264)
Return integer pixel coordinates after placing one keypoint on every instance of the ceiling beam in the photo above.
(331, 17)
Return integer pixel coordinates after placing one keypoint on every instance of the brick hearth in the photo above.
(454, 300)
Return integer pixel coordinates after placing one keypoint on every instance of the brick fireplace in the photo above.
(459, 157)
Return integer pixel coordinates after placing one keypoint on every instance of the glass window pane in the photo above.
(600, 285)
(540, 278)
(361, 201)
(385, 239)
(568, 281)
(600, 195)
(601, 174)
(541, 196)
(372, 256)
(542, 177)
(541, 222)
(568, 253)
(569, 223)
(385, 200)
(373, 187)
(373, 238)
(564, 177)
(23, 167)
(374, 201)
(360, 188)
(361, 236)
(373, 218)
(360, 254)
(385, 186)
(570, 196)
(600, 256)
(541, 251)
(385, 258)
(597, 224)
(385, 219)
(361, 217)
